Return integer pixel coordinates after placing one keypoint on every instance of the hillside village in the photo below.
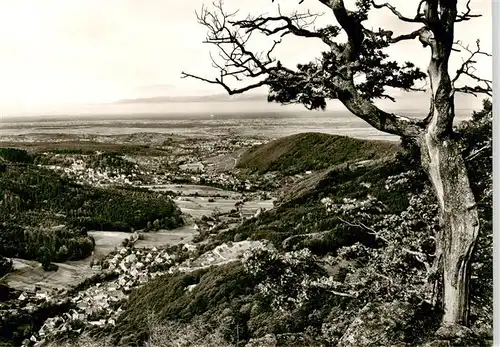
(105, 169)
(255, 256)
(205, 162)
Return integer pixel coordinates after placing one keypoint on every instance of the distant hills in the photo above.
(197, 98)
(405, 100)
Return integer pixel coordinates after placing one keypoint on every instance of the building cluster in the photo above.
(99, 305)
(182, 162)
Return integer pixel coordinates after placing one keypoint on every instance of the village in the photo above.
(97, 305)
(208, 162)
(201, 178)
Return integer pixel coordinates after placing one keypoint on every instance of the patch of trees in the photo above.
(27, 188)
(45, 246)
(15, 155)
(34, 200)
(111, 161)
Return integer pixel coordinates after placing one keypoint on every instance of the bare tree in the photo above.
(335, 75)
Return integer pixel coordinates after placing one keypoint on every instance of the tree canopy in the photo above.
(355, 71)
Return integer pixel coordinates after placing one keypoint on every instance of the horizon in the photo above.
(224, 104)
(60, 56)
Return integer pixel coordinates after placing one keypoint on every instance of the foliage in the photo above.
(5, 266)
(45, 216)
(311, 151)
(377, 72)
(173, 333)
(305, 214)
(167, 298)
(44, 245)
(83, 340)
(477, 137)
(113, 162)
(161, 334)
(291, 280)
(15, 155)
(32, 188)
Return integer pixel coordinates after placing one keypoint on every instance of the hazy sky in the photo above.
(60, 52)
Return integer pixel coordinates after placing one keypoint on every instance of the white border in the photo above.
(496, 172)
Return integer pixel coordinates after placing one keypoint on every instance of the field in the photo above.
(29, 274)
(284, 239)
(264, 125)
(261, 125)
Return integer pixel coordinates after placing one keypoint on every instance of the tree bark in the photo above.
(460, 224)
(443, 162)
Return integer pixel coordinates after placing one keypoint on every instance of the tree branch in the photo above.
(387, 278)
(295, 24)
(465, 16)
(237, 61)
(478, 152)
(467, 69)
(361, 225)
(311, 84)
(230, 91)
(397, 13)
(348, 93)
(343, 294)
(388, 35)
(421, 258)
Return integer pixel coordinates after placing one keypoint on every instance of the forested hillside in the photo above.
(46, 216)
(351, 265)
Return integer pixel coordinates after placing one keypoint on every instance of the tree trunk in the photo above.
(443, 162)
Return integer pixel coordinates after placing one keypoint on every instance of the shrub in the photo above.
(5, 266)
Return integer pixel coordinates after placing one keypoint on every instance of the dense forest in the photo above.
(46, 217)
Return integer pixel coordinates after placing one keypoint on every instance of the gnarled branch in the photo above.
(237, 60)
(371, 231)
(465, 16)
(387, 35)
(398, 14)
(349, 95)
(467, 69)
(421, 258)
(220, 81)
(332, 77)
(427, 12)
(296, 23)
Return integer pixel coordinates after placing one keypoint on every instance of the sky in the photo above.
(56, 54)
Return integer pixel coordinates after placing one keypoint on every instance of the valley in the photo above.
(108, 232)
(195, 175)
